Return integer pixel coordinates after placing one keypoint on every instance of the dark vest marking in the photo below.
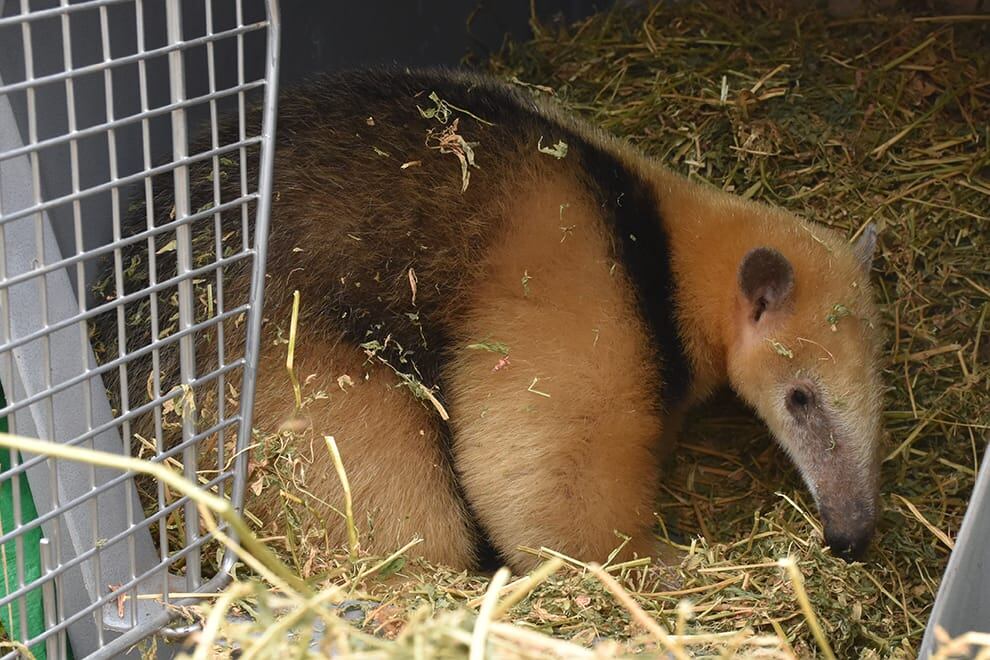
(644, 252)
(631, 211)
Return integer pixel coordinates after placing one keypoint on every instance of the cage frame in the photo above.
(29, 337)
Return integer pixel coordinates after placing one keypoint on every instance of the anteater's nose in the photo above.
(849, 527)
(851, 547)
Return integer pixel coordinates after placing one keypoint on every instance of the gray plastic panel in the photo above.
(963, 602)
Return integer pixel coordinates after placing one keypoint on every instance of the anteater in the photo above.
(504, 313)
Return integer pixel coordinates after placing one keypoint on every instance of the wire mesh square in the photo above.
(135, 176)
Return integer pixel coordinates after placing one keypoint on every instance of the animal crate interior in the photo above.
(120, 109)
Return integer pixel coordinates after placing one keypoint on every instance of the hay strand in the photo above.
(797, 580)
(338, 464)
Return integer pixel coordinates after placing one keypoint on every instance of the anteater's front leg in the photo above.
(553, 386)
(555, 443)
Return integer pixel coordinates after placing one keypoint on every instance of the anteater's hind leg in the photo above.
(401, 484)
(555, 444)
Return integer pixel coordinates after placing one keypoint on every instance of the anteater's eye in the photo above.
(800, 399)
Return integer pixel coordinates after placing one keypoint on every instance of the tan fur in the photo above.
(556, 449)
(401, 488)
(724, 347)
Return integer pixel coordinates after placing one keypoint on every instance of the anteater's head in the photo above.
(804, 354)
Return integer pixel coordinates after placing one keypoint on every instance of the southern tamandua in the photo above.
(506, 311)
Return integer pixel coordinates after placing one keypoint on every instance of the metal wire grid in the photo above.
(92, 92)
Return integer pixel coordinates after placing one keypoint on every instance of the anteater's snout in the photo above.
(849, 530)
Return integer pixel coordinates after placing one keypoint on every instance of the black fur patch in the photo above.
(628, 202)
(644, 251)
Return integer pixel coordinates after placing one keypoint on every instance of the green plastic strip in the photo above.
(10, 616)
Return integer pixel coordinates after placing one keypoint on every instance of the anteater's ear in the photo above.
(766, 280)
(865, 246)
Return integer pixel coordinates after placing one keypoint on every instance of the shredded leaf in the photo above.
(442, 111)
(780, 349)
(490, 346)
(558, 150)
(449, 141)
(838, 312)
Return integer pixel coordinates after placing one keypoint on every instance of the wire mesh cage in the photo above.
(113, 307)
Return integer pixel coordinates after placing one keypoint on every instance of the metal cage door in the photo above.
(99, 103)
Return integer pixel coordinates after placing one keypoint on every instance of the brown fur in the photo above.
(558, 443)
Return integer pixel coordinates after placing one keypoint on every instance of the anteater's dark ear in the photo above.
(766, 279)
(865, 246)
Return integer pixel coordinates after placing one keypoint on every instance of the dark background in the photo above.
(317, 35)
